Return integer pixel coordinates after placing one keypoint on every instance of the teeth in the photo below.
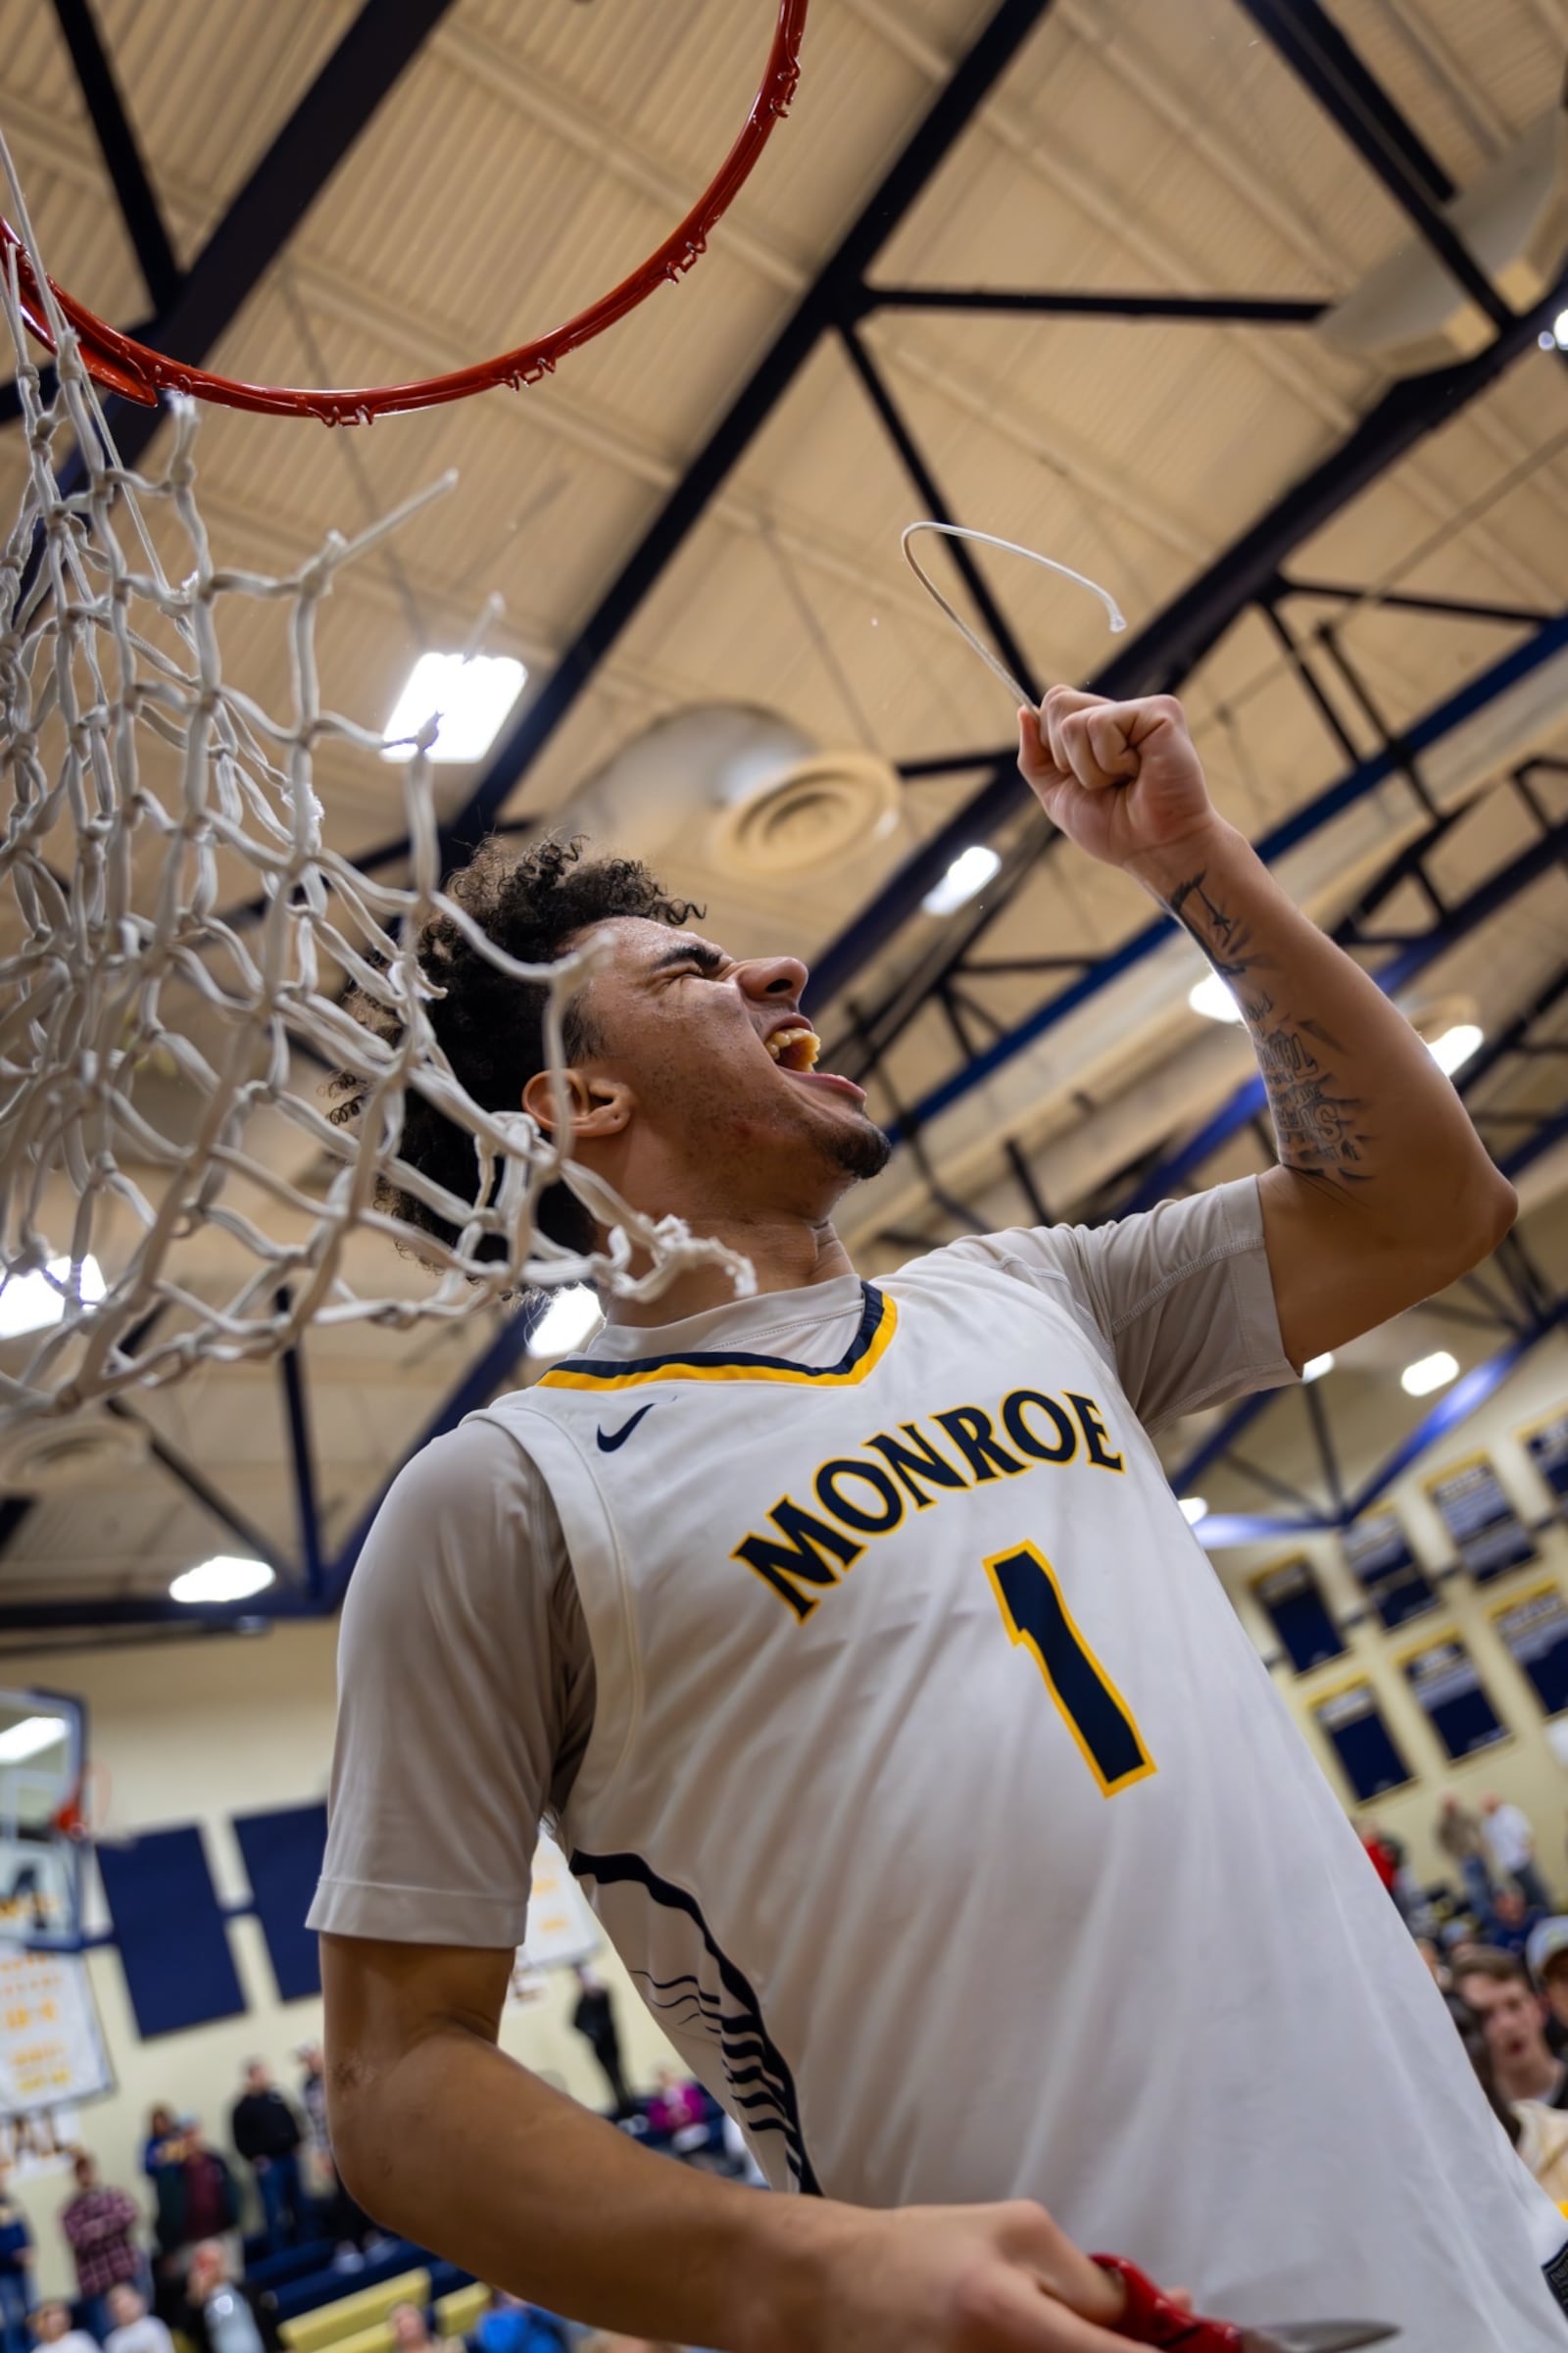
(799, 1047)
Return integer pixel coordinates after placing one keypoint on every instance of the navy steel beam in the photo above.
(1177, 637)
(819, 310)
(122, 153)
(302, 1455)
(929, 491)
(1297, 827)
(195, 1482)
(381, 42)
(1390, 600)
(1324, 62)
(1211, 310)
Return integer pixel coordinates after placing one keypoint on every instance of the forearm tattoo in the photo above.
(1317, 1126)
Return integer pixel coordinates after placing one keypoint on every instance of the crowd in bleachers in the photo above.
(1498, 1948)
(172, 2270)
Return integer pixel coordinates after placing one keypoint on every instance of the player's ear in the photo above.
(600, 1106)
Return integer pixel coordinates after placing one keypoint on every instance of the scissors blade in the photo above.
(1318, 2337)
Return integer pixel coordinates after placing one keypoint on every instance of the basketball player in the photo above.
(896, 1724)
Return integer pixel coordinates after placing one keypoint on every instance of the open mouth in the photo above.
(795, 1047)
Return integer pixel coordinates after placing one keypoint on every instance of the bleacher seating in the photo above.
(314, 2312)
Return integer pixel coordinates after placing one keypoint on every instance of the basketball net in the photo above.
(162, 1060)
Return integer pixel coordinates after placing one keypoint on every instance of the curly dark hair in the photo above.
(491, 1028)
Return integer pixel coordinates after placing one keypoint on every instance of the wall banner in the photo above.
(1351, 1720)
(1380, 1557)
(1534, 1630)
(1547, 1446)
(1446, 1686)
(1486, 1532)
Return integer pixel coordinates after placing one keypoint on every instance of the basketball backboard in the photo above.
(42, 1763)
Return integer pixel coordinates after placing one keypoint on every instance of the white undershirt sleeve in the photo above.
(459, 1695)
(1179, 1296)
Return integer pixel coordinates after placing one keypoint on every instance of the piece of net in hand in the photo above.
(175, 939)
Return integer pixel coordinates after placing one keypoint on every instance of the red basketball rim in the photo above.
(124, 366)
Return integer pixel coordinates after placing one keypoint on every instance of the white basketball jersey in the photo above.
(954, 1833)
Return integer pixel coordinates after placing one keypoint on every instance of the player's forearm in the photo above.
(1358, 1103)
(470, 2155)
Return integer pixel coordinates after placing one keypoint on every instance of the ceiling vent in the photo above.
(1411, 314)
(740, 792)
(51, 1458)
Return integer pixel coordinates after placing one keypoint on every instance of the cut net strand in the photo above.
(144, 1036)
(139, 374)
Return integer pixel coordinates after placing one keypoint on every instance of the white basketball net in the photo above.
(162, 1112)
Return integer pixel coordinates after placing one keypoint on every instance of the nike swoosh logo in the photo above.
(610, 1441)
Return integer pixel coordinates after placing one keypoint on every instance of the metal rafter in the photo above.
(818, 311)
(122, 153)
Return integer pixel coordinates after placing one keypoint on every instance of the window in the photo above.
(1443, 1679)
(1351, 1721)
(1290, 1593)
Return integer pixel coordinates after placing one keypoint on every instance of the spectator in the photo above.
(342, 2218)
(160, 2148)
(267, 2132)
(135, 2329)
(1538, 2134)
(16, 2268)
(593, 2019)
(1460, 1835)
(1510, 1927)
(1511, 1845)
(51, 2325)
(1546, 1959)
(1512, 2022)
(510, 2326)
(99, 2226)
(217, 2317)
(410, 2330)
(1382, 1852)
(196, 2195)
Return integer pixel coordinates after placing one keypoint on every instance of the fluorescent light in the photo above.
(969, 873)
(1456, 1046)
(1316, 1366)
(471, 697)
(26, 1739)
(1211, 997)
(1428, 1373)
(31, 1302)
(1194, 1508)
(224, 1578)
(569, 1318)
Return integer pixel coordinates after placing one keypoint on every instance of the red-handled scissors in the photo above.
(1151, 2319)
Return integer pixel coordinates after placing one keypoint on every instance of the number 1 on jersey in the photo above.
(1035, 1612)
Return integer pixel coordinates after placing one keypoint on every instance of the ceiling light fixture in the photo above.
(1316, 1366)
(1213, 999)
(28, 1738)
(569, 1318)
(1452, 1049)
(968, 875)
(1428, 1373)
(471, 694)
(224, 1578)
(32, 1302)
(1194, 1508)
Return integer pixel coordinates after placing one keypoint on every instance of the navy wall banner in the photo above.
(1547, 1446)
(1534, 1631)
(1351, 1720)
(1448, 1688)
(1300, 1617)
(1379, 1554)
(1488, 1533)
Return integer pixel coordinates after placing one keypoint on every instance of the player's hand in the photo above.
(1121, 779)
(937, 2280)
